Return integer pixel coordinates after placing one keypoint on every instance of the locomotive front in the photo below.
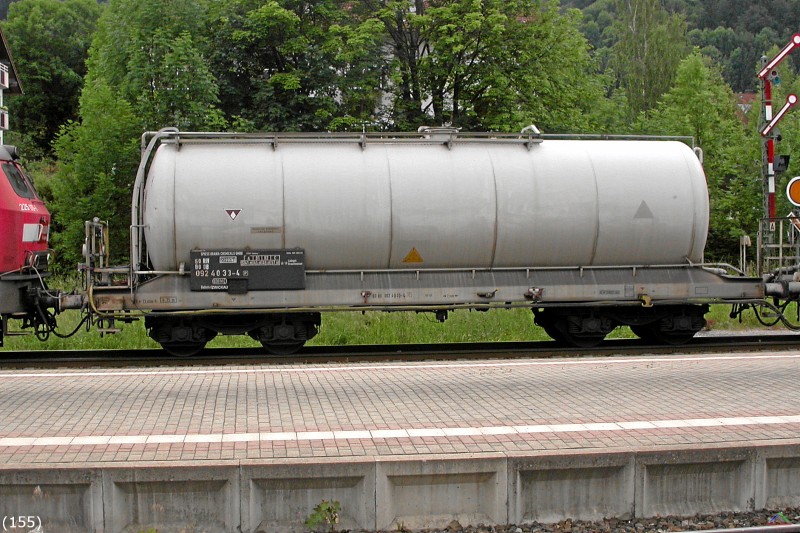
(25, 223)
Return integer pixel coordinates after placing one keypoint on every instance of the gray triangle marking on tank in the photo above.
(643, 211)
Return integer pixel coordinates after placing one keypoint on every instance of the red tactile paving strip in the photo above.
(264, 412)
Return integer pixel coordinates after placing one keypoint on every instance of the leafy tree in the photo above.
(650, 45)
(701, 105)
(487, 64)
(151, 52)
(751, 16)
(404, 50)
(737, 52)
(597, 24)
(98, 161)
(749, 29)
(49, 40)
(145, 72)
(295, 65)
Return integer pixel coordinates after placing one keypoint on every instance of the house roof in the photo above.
(745, 103)
(14, 86)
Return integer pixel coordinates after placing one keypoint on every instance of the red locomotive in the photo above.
(24, 232)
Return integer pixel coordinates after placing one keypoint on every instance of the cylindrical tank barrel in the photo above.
(428, 205)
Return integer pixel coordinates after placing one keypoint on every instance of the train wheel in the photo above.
(582, 328)
(183, 349)
(584, 340)
(283, 348)
(285, 334)
(676, 328)
(673, 338)
(179, 336)
(650, 333)
(553, 332)
(548, 321)
(544, 320)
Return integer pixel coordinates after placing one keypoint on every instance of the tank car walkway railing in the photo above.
(779, 246)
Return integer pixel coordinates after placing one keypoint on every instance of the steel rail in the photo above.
(758, 529)
(393, 352)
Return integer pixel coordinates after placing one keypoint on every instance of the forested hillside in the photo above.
(735, 33)
(96, 75)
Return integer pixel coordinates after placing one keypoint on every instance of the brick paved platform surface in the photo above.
(179, 414)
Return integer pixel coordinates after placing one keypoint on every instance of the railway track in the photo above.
(397, 352)
(758, 529)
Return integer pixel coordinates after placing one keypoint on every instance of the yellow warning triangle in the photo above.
(413, 256)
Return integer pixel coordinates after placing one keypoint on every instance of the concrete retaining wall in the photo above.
(408, 492)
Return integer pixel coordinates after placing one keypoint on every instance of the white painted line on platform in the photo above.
(292, 436)
(498, 430)
(566, 428)
(284, 436)
(204, 438)
(353, 435)
(705, 422)
(315, 435)
(17, 441)
(389, 433)
(542, 428)
(461, 432)
(52, 441)
(740, 421)
(602, 426)
(165, 439)
(600, 361)
(426, 432)
(89, 441)
(636, 425)
(685, 423)
(241, 437)
(771, 420)
(128, 439)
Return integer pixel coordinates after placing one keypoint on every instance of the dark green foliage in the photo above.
(151, 54)
(779, 15)
(758, 27)
(494, 65)
(650, 42)
(98, 161)
(292, 65)
(49, 40)
(735, 33)
(146, 72)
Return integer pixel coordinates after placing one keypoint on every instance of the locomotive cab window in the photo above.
(18, 181)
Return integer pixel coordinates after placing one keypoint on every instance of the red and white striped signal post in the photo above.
(768, 75)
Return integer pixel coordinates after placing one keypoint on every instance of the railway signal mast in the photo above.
(773, 252)
(769, 134)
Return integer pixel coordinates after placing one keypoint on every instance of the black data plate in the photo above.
(239, 271)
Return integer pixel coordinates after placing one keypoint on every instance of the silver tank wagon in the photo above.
(429, 205)
(258, 234)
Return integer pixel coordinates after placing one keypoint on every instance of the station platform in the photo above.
(399, 445)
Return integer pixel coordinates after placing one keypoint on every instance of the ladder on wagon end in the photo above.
(779, 246)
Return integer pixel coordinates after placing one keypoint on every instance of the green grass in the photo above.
(344, 328)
